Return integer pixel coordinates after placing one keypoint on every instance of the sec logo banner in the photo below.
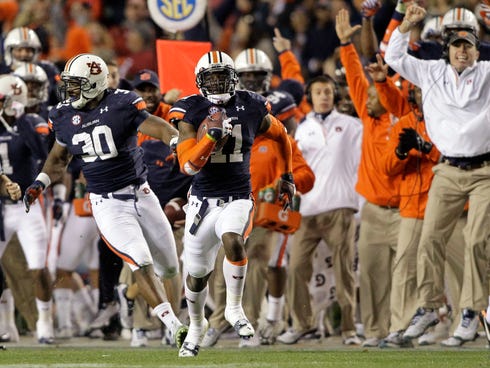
(177, 15)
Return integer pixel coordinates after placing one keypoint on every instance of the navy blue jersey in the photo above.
(22, 149)
(53, 76)
(227, 172)
(164, 177)
(104, 138)
(281, 102)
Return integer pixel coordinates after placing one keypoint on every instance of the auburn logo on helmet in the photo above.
(95, 68)
(16, 89)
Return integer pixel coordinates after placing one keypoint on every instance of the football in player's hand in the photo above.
(174, 212)
(214, 120)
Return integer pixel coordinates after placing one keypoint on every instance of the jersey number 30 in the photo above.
(99, 144)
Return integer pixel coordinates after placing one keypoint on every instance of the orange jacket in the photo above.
(416, 170)
(266, 165)
(373, 184)
(291, 69)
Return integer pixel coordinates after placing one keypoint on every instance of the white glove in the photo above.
(227, 127)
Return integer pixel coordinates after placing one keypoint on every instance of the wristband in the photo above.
(44, 178)
(59, 191)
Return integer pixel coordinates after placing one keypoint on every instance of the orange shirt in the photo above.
(266, 165)
(375, 186)
(161, 111)
(291, 69)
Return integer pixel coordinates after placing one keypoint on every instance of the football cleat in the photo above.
(188, 349)
(180, 335)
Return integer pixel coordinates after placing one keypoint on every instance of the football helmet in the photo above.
(254, 69)
(459, 19)
(84, 78)
(21, 37)
(36, 80)
(216, 77)
(482, 12)
(13, 94)
(432, 29)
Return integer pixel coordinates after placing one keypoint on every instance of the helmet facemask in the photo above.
(217, 84)
(255, 81)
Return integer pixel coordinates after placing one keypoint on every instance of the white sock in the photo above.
(195, 307)
(165, 313)
(45, 309)
(95, 298)
(235, 281)
(63, 299)
(274, 308)
(488, 310)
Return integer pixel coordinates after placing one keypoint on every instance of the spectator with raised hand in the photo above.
(449, 87)
(379, 215)
(408, 153)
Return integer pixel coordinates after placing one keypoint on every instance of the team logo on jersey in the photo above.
(213, 110)
(95, 68)
(76, 119)
(338, 129)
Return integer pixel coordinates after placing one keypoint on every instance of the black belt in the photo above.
(121, 197)
(219, 201)
(468, 163)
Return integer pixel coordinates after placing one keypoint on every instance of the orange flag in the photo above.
(176, 63)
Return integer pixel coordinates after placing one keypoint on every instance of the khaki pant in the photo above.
(451, 188)
(20, 281)
(337, 229)
(378, 238)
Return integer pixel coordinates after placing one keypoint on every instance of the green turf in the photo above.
(154, 357)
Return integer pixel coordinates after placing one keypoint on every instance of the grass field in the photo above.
(86, 353)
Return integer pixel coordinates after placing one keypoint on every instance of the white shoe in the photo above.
(236, 317)
(103, 317)
(126, 334)
(251, 342)
(291, 336)
(138, 338)
(452, 342)
(126, 305)
(421, 321)
(352, 340)
(439, 332)
(395, 340)
(371, 342)
(188, 350)
(45, 332)
(467, 329)
(211, 337)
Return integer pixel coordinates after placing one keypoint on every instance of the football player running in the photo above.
(98, 126)
(220, 207)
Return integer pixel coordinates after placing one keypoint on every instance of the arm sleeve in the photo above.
(277, 132)
(193, 155)
(290, 67)
(392, 98)
(398, 59)
(356, 79)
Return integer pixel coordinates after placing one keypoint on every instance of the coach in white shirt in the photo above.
(456, 101)
(331, 145)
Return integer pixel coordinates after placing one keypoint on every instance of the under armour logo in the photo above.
(238, 108)
(95, 68)
(105, 109)
(191, 301)
(237, 277)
